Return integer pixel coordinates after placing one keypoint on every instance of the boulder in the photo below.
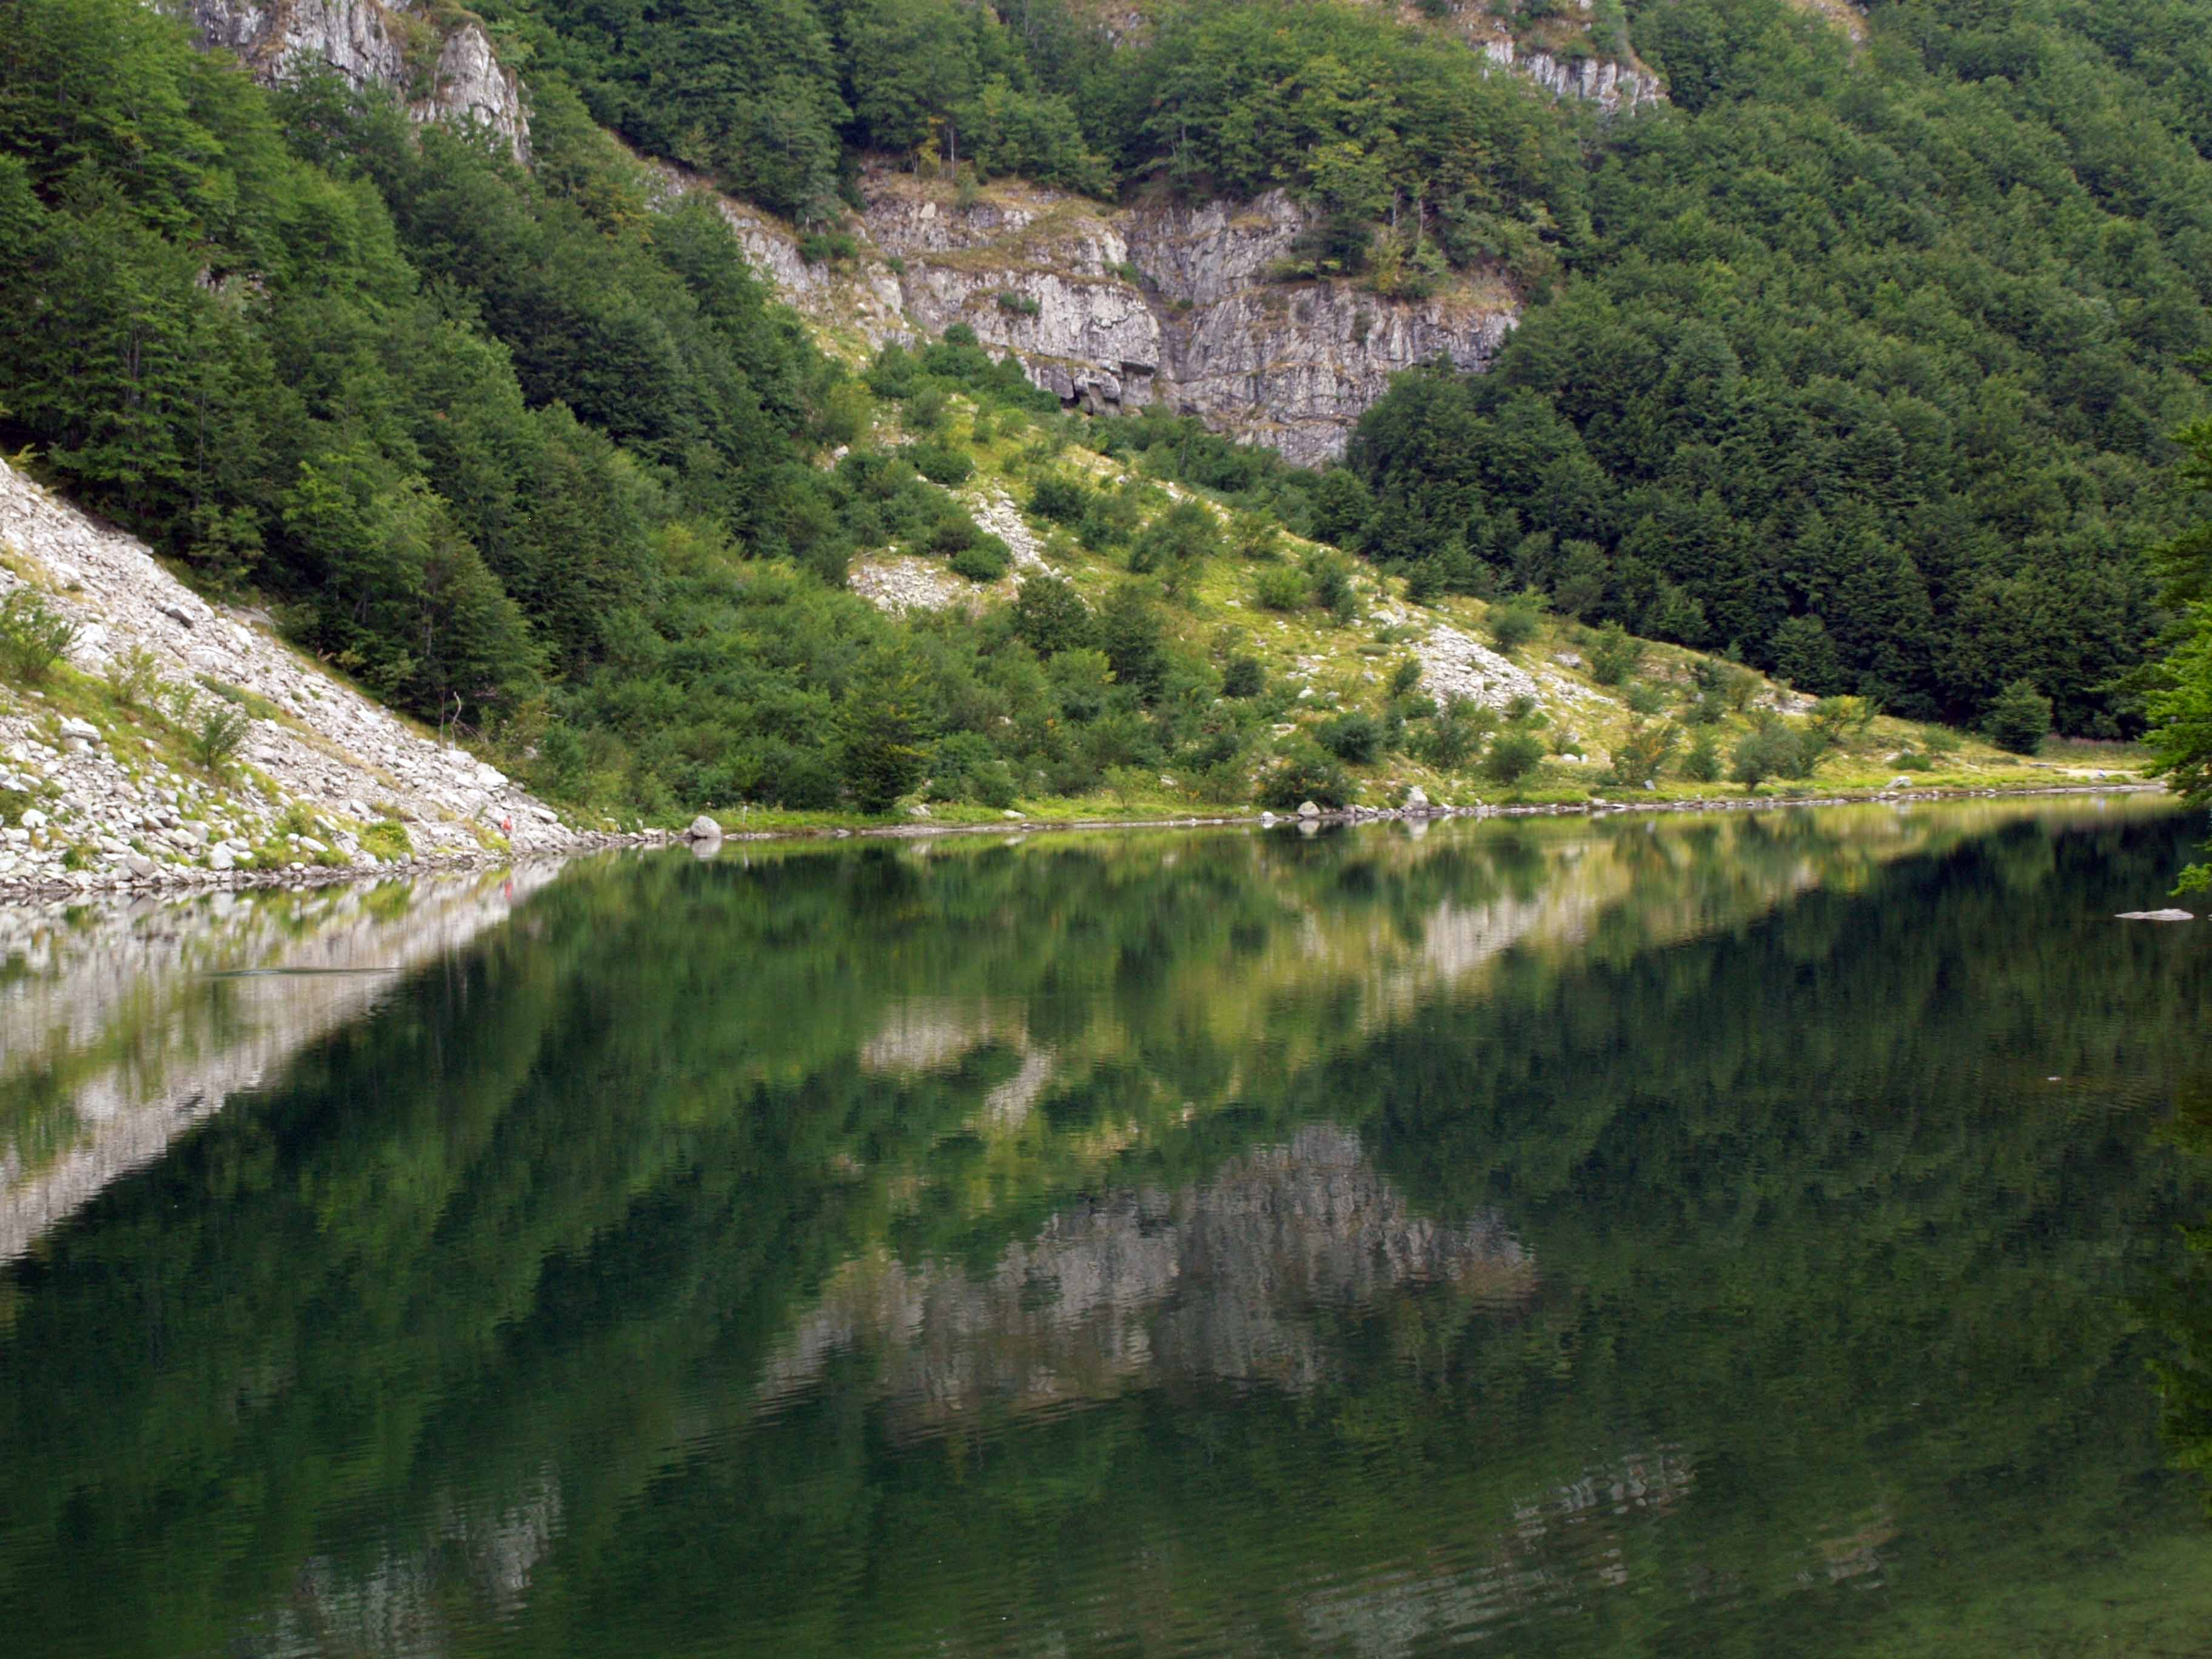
(219, 857)
(2156, 916)
(703, 828)
(1417, 797)
(1308, 810)
(1900, 782)
(73, 728)
(32, 818)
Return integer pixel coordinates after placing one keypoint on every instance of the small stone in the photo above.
(139, 866)
(2156, 916)
(73, 728)
(1010, 814)
(32, 818)
(1900, 782)
(917, 810)
(219, 857)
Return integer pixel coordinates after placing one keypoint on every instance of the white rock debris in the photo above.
(107, 796)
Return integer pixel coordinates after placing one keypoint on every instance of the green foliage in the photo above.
(1280, 587)
(221, 731)
(34, 636)
(1059, 499)
(1513, 754)
(1642, 750)
(2019, 718)
(1514, 624)
(1838, 720)
(1615, 656)
(1330, 575)
(1355, 737)
(387, 838)
(941, 463)
(1454, 733)
(1305, 772)
(1768, 750)
(1701, 761)
(1243, 676)
(1019, 305)
(985, 560)
(134, 676)
(1888, 439)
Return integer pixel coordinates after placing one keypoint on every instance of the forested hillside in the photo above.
(1857, 362)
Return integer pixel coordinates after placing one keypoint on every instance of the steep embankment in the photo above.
(105, 776)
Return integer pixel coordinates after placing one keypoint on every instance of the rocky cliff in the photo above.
(440, 60)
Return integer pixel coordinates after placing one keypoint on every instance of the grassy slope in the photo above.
(1348, 666)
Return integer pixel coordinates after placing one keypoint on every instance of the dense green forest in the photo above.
(1858, 363)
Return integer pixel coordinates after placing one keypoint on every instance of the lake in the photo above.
(1747, 1234)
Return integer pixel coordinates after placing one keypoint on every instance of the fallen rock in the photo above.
(703, 828)
(1308, 810)
(1417, 797)
(2156, 916)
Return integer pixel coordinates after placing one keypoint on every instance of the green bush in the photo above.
(1331, 575)
(34, 636)
(1355, 737)
(1242, 677)
(1615, 656)
(134, 676)
(2019, 718)
(1701, 763)
(986, 561)
(1642, 750)
(1456, 733)
(1059, 499)
(1514, 624)
(1767, 750)
(1019, 305)
(1512, 756)
(1304, 773)
(387, 838)
(1280, 588)
(1644, 698)
(941, 463)
(219, 735)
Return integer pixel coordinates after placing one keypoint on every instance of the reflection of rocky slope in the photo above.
(1214, 1282)
(118, 1029)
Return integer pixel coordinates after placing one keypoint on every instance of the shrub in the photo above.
(134, 676)
(220, 735)
(2019, 718)
(1837, 718)
(1616, 656)
(34, 636)
(965, 766)
(1770, 750)
(1512, 756)
(1645, 698)
(1331, 573)
(1702, 762)
(1514, 624)
(387, 838)
(1242, 677)
(1019, 305)
(1354, 738)
(1051, 615)
(1082, 679)
(1059, 499)
(1305, 773)
(941, 463)
(1455, 733)
(1279, 587)
(926, 411)
(1638, 755)
(1405, 677)
(986, 561)
(835, 246)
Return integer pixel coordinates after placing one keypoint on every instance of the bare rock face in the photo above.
(444, 76)
(1204, 328)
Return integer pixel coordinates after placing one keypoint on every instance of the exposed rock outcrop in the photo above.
(108, 802)
(445, 72)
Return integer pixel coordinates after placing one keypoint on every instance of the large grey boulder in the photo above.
(703, 828)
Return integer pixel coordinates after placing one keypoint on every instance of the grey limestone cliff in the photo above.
(444, 68)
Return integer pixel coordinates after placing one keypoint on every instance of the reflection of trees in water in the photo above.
(2180, 1309)
(544, 1225)
(1217, 1280)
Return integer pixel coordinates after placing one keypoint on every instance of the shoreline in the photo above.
(171, 880)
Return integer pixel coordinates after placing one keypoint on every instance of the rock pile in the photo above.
(324, 777)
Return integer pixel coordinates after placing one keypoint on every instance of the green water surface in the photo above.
(1757, 1234)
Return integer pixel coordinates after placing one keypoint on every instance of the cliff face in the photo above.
(1117, 308)
(446, 72)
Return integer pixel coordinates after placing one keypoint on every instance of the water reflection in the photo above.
(1215, 1281)
(1630, 1237)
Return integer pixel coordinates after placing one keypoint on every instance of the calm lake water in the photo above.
(1752, 1235)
